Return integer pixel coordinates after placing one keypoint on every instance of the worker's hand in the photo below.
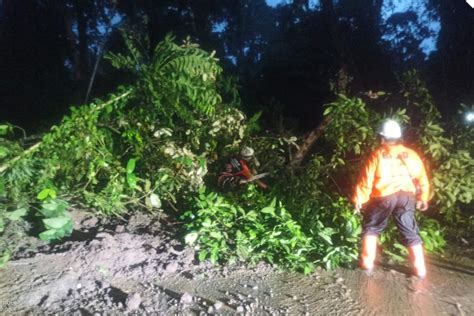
(422, 205)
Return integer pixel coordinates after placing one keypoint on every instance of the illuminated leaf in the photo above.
(155, 200)
(191, 238)
(16, 215)
(131, 165)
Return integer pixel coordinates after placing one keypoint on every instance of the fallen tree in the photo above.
(157, 144)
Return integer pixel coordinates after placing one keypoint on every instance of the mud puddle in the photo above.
(140, 268)
(390, 290)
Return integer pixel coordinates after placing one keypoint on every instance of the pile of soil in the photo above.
(140, 267)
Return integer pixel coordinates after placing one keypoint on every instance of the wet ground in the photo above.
(138, 269)
(448, 289)
(389, 290)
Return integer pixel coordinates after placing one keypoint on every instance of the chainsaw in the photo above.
(255, 177)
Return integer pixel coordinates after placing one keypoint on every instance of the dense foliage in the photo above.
(316, 195)
(450, 162)
(159, 144)
(230, 229)
(133, 150)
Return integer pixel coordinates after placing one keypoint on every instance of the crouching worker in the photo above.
(393, 183)
(237, 171)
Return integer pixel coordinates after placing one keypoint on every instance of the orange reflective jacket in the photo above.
(390, 169)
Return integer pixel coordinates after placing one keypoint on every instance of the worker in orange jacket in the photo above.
(237, 171)
(393, 182)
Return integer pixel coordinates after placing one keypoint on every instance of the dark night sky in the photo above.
(285, 53)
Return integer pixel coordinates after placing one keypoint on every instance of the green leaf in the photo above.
(131, 165)
(252, 234)
(4, 129)
(43, 194)
(325, 237)
(2, 186)
(268, 210)
(251, 215)
(49, 235)
(206, 223)
(55, 205)
(328, 264)
(185, 161)
(148, 203)
(108, 109)
(68, 228)
(2, 225)
(202, 255)
(191, 238)
(147, 185)
(3, 152)
(155, 200)
(202, 162)
(164, 178)
(56, 222)
(216, 235)
(307, 270)
(16, 215)
(52, 193)
(54, 208)
(214, 255)
(132, 180)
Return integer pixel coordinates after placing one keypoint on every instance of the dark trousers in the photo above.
(402, 206)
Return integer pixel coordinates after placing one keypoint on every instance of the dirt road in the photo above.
(139, 269)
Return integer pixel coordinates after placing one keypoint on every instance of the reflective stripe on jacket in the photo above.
(390, 169)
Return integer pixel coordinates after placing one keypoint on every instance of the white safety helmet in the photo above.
(390, 130)
(247, 152)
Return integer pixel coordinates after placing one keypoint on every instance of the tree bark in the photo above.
(308, 143)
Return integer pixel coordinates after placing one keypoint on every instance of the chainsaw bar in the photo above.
(255, 177)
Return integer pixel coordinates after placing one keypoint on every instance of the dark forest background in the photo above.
(288, 59)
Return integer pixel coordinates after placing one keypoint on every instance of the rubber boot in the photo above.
(418, 260)
(367, 256)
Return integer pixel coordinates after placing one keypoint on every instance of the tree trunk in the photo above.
(308, 143)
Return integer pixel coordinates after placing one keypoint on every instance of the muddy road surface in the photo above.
(137, 269)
